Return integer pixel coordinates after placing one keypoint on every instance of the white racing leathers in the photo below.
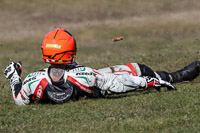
(104, 79)
(121, 78)
(38, 86)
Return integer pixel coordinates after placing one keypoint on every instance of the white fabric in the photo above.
(103, 79)
(121, 69)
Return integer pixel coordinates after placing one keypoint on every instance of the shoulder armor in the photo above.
(71, 67)
(38, 73)
(35, 76)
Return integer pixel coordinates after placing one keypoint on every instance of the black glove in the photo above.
(11, 69)
(155, 82)
(12, 72)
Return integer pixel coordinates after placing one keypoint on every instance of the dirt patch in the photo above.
(22, 20)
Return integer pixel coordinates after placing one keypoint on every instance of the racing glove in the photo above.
(157, 83)
(13, 72)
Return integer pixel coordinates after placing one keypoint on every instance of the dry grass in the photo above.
(24, 20)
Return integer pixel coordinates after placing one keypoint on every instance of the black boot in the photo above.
(188, 73)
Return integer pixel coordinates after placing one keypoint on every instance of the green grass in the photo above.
(161, 34)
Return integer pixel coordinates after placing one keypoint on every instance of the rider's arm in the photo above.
(12, 73)
(32, 87)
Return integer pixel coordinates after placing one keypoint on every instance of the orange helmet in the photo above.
(59, 47)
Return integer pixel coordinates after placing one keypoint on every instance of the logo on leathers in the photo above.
(39, 92)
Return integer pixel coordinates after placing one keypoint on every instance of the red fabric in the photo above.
(40, 89)
(132, 69)
(150, 84)
(81, 86)
(124, 71)
(97, 72)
